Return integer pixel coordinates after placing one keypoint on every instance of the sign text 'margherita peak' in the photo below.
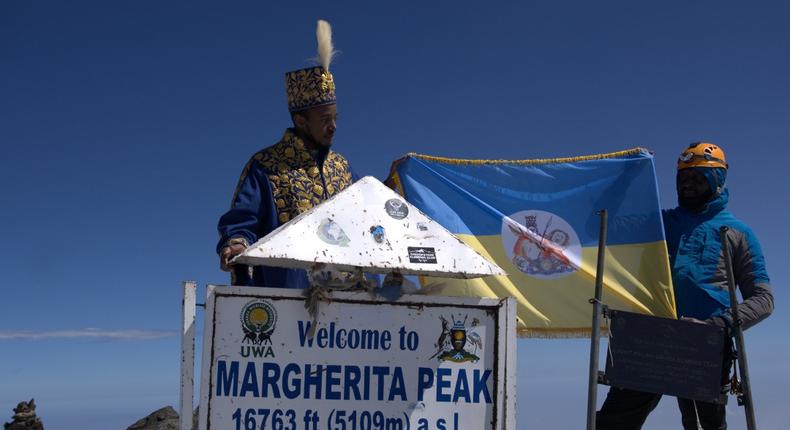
(427, 363)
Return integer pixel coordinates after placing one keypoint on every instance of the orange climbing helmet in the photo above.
(702, 154)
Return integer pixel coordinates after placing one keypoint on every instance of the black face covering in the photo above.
(715, 178)
(696, 204)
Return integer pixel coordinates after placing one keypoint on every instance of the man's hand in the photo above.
(228, 253)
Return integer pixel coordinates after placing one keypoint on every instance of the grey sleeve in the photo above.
(751, 278)
(756, 307)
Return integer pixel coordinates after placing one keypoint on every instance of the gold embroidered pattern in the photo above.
(309, 87)
(295, 179)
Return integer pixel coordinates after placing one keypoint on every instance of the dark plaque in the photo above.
(422, 255)
(665, 356)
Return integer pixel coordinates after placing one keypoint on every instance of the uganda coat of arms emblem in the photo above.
(456, 341)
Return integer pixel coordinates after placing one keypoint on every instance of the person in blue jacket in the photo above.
(700, 280)
(290, 177)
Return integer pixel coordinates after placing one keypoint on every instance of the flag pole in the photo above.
(745, 396)
(595, 337)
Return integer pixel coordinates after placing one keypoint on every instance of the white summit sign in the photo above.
(360, 362)
(437, 363)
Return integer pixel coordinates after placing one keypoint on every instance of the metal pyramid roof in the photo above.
(371, 227)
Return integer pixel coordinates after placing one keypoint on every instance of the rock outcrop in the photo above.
(162, 419)
(25, 417)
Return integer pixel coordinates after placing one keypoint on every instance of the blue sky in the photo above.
(124, 127)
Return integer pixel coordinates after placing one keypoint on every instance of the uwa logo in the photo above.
(258, 320)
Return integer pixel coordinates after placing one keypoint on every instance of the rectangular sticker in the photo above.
(422, 255)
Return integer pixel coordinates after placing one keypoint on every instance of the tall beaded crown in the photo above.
(313, 86)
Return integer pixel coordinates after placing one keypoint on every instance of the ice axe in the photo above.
(744, 395)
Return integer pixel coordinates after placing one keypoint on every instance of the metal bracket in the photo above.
(602, 379)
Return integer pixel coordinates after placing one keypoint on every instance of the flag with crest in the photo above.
(537, 219)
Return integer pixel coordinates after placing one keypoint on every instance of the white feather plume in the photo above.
(325, 49)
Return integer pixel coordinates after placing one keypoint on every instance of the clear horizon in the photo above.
(125, 126)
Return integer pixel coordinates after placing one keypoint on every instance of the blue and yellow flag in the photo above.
(538, 220)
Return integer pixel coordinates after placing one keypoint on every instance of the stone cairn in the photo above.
(25, 417)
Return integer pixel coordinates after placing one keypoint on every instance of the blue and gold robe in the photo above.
(276, 185)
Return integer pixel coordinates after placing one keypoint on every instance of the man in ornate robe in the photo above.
(288, 178)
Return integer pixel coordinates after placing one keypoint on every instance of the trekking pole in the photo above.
(595, 337)
(745, 396)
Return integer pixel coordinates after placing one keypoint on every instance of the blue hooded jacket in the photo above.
(697, 260)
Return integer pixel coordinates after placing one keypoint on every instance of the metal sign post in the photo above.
(745, 396)
(188, 304)
(595, 337)
(642, 365)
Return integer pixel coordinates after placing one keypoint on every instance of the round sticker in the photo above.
(396, 208)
